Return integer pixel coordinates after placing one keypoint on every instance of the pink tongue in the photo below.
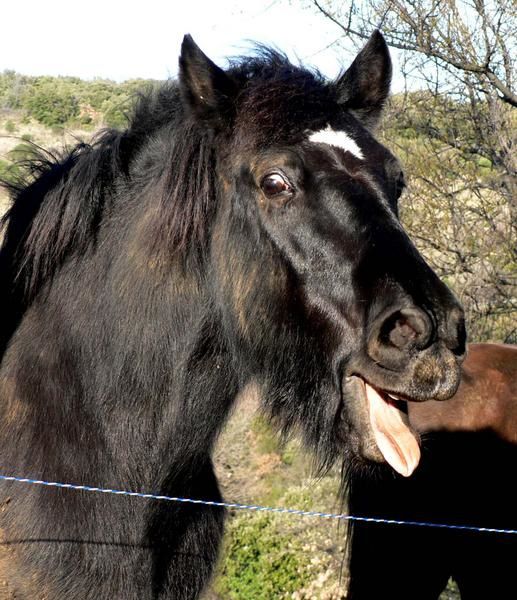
(394, 438)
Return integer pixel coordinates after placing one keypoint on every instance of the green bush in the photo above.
(115, 116)
(85, 120)
(261, 563)
(4, 166)
(267, 439)
(52, 106)
(10, 127)
(57, 101)
(9, 173)
(21, 152)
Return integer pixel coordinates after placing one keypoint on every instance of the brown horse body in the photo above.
(469, 457)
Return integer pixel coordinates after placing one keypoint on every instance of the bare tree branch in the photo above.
(457, 138)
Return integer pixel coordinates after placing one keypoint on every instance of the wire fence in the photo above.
(257, 508)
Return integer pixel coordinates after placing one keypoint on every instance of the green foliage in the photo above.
(51, 105)
(4, 167)
(270, 556)
(451, 592)
(68, 101)
(484, 166)
(408, 133)
(10, 127)
(21, 152)
(12, 89)
(261, 562)
(115, 116)
(9, 172)
(267, 440)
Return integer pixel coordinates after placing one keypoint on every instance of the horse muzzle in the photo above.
(375, 403)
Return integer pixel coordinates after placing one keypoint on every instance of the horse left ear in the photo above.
(205, 88)
(365, 86)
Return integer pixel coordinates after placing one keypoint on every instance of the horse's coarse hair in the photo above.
(149, 275)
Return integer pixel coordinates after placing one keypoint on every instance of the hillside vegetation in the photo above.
(68, 101)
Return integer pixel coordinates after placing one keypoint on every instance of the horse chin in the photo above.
(378, 426)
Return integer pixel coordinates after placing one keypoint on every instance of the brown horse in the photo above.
(469, 453)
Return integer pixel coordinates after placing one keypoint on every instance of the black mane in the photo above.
(60, 201)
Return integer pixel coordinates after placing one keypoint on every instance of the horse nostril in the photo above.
(396, 334)
(406, 327)
(456, 334)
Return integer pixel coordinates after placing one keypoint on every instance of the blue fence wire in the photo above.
(252, 507)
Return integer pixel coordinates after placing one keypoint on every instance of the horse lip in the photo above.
(396, 397)
(412, 384)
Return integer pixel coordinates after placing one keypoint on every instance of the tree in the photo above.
(466, 50)
(51, 105)
(455, 126)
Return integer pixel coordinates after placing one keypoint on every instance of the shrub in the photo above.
(261, 563)
(9, 173)
(50, 106)
(21, 152)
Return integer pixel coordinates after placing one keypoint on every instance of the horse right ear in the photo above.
(207, 91)
(365, 86)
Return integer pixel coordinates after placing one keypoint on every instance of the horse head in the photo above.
(326, 299)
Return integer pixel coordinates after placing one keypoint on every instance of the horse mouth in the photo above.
(382, 419)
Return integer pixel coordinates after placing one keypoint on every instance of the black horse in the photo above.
(244, 226)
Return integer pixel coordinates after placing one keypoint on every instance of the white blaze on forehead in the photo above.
(340, 139)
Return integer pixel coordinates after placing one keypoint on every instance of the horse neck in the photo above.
(131, 350)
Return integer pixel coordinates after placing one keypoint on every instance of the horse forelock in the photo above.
(279, 101)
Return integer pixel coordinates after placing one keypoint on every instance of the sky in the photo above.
(141, 39)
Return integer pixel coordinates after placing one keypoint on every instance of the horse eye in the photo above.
(274, 185)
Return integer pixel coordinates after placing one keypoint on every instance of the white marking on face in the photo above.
(340, 139)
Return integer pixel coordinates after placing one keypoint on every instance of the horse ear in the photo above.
(364, 87)
(206, 89)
